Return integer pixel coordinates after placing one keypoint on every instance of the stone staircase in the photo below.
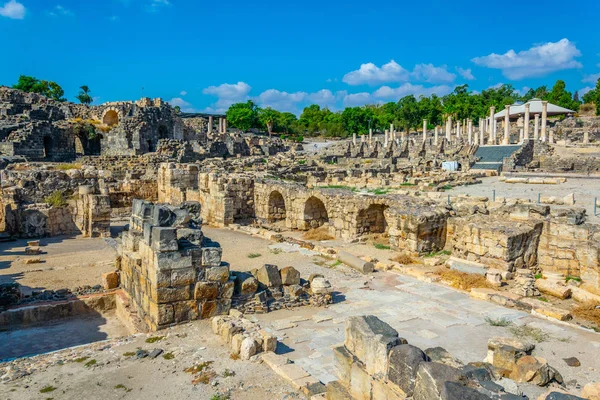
(492, 157)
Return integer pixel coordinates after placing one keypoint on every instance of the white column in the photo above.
(526, 123)
(224, 125)
(385, 139)
(424, 130)
(391, 128)
(448, 128)
(210, 123)
(481, 131)
(354, 138)
(506, 125)
(551, 139)
(362, 139)
(544, 119)
(457, 130)
(494, 130)
(435, 138)
(586, 137)
(521, 135)
(470, 131)
(492, 112)
(370, 135)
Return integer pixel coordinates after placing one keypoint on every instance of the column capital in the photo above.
(507, 107)
(527, 105)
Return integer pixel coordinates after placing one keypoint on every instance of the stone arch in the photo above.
(110, 117)
(163, 132)
(48, 147)
(371, 220)
(277, 210)
(315, 213)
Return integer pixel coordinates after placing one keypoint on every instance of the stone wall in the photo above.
(171, 273)
(497, 242)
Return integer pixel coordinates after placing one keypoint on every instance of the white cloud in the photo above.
(13, 10)
(179, 102)
(591, 78)
(183, 93)
(113, 18)
(61, 11)
(282, 101)
(465, 73)
(156, 4)
(523, 90)
(496, 86)
(584, 90)
(371, 74)
(432, 74)
(538, 61)
(386, 93)
(227, 95)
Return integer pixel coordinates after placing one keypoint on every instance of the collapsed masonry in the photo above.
(173, 274)
(375, 363)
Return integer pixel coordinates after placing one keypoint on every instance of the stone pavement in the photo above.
(427, 315)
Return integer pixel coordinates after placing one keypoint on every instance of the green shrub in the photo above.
(56, 199)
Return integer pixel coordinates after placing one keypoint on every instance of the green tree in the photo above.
(47, 88)
(559, 96)
(84, 95)
(243, 115)
(593, 97)
(268, 116)
(286, 121)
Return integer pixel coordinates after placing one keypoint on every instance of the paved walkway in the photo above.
(427, 315)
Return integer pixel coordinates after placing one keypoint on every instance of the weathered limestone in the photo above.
(506, 139)
(470, 132)
(544, 119)
(526, 122)
(536, 128)
(449, 129)
(169, 275)
(424, 130)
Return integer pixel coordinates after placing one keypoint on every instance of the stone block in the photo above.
(431, 379)
(337, 391)
(110, 280)
(457, 391)
(217, 274)
(208, 309)
(553, 288)
(164, 239)
(404, 362)
(206, 290)
(268, 276)
(183, 277)
(360, 382)
(227, 290)
(320, 285)
(290, 276)
(269, 341)
(248, 348)
(236, 343)
(173, 294)
(211, 256)
(591, 391)
(343, 360)
(162, 216)
(369, 339)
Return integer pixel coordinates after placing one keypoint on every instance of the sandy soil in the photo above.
(67, 262)
(118, 376)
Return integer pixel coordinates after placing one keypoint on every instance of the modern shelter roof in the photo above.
(535, 107)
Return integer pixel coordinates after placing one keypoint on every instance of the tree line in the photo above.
(50, 89)
(406, 114)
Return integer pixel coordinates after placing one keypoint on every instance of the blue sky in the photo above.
(204, 56)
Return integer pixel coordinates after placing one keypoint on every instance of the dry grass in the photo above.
(463, 280)
(318, 234)
(588, 312)
(403, 259)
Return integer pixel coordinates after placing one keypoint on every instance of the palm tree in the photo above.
(267, 116)
(84, 95)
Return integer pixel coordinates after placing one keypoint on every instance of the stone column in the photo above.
(526, 123)
(536, 127)
(544, 119)
(224, 125)
(470, 131)
(586, 137)
(362, 139)
(220, 125)
(457, 130)
(448, 128)
(424, 130)
(370, 135)
(210, 123)
(551, 137)
(435, 137)
(506, 125)
(354, 138)
(391, 128)
(481, 131)
(521, 135)
(492, 112)
(385, 138)
(494, 130)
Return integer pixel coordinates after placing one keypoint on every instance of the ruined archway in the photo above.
(315, 213)
(48, 147)
(163, 132)
(277, 211)
(110, 118)
(371, 220)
